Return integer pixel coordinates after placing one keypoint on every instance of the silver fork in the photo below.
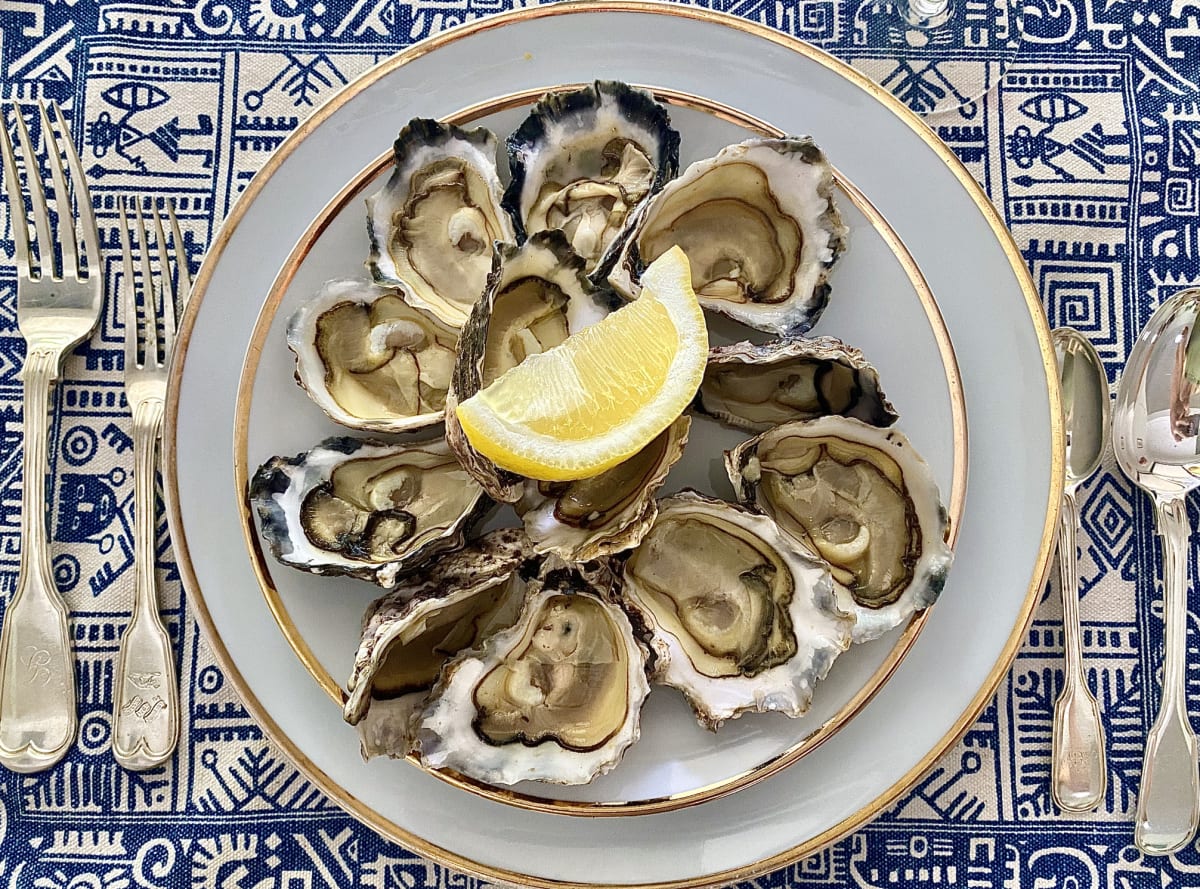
(57, 307)
(146, 697)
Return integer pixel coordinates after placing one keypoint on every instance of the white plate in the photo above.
(1007, 373)
(676, 762)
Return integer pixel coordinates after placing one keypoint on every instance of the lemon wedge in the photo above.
(602, 394)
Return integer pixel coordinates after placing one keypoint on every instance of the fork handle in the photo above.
(146, 700)
(37, 669)
(1168, 807)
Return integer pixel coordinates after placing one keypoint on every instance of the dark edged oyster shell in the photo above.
(741, 618)
(433, 224)
(371, 360)
(608, 513)
(584, 160)
(367, 509)
(555, 698)
(861, 498)
(408, 635)
(759, 226)
(755, 387)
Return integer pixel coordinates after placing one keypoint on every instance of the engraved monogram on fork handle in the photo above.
(146, 715)
(37, 699)
(146, 696)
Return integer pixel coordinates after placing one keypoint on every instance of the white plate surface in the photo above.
(998, 334)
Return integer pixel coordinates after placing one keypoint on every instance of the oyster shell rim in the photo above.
(791, 695)
(553, 105)
(505, 761)
(937, 555)
(276, 476)
(503, 553)
(309, 370)
(818, 347)
(627, 265)
(422, 133)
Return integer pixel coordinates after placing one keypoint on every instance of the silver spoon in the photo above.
(1079, 770)
(1156, 423)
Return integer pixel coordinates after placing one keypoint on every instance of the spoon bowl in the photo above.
(1156, 437)
(1084, 384)
(1157, 418)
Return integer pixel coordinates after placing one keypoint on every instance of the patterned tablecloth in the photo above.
(1090, 148)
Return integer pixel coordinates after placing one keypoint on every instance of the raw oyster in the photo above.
(584, 160)
(409, 634)
(536, 296)
(742, 619)
(756, 387)
(433, 224)
(864, 500)
(608, 513)
(365, 508)
(556, 698)
(370, 360)
(759, 226)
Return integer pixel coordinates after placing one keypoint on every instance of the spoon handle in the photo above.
(1169, 803)
(1079, 769)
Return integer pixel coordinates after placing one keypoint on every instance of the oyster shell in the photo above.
(365, 508)
(608, 513)
(741, 618)
(370, 360)
(536, 296)
(409, 634)
(583, 160)
(556, 698)
(864, 500)
(433, 223)
(759, 226)
(756, 387)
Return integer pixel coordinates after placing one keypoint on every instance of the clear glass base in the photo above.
(938, 55)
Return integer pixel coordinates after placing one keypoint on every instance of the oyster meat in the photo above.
(365, 508)
(585, 159)
(755, 387)
(556, 698)
(608, 513)
(409, 634)
(371, 360)
(863, 499)
(741, 618)
(536, 296)
(433, 223)
(760, 229)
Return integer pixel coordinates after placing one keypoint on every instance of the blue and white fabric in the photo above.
(1089, 147)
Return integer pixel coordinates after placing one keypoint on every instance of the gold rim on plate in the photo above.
(811, 739)
(974, 191)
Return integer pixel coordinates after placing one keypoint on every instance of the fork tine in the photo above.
(83, 197)
(16, 203)
(62, 196)
(181, 258)
(37, 195)
(149, 299)
(128, 295)
(170, 301)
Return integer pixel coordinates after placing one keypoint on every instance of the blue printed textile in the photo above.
(1089, 147)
